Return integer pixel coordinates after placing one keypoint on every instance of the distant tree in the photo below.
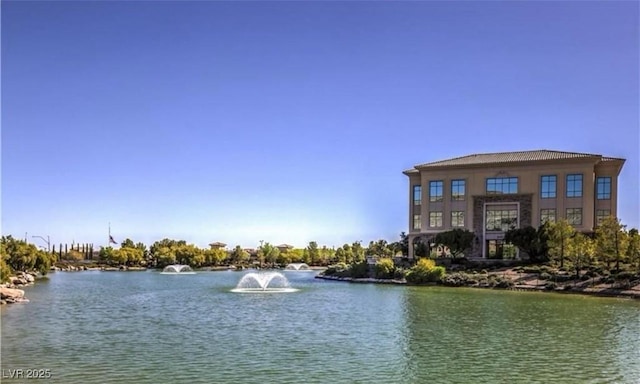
(633, 248)
(421, 247)
(44, 261)
(326, 254)
(106, 254)
(380, 248)
(313, 253)
(271, 253)
(404, 244)
(340, 256)
(284, 258)
(74, 255)
(296, 255)
(127, 243)
(457, 240)
(130, 256)
(358, 252)
(119, 256)
(164, 252)
(238, 256)
(530, 240)
(611, 241)
(580, 251)
(215, 256)
(346, 254)
(559, 234)
(5, 270)
(189, 254)
(18, 255)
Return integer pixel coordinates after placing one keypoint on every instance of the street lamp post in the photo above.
(47, 240)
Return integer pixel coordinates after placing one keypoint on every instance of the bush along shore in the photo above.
(597, 281)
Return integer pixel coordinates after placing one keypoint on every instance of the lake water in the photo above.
(146, 327)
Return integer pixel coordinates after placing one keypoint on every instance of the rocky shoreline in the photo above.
(11, 293)
(509, 279)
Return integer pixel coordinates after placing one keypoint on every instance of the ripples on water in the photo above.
(144, 327)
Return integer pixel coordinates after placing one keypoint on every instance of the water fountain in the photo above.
(298, 267)
(177, 269)
(264, 282)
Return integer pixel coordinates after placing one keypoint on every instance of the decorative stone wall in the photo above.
(524, 215)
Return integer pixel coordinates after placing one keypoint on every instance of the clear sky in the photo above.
(293, 121)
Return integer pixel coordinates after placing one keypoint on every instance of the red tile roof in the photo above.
(509, 157)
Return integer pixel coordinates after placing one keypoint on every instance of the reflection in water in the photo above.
(481, 336)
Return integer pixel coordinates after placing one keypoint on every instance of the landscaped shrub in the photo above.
(399, 274)
(384, 269)
(436, 274)
(425, 271)
(502, 282)
(359, 270)
(336, 270)
(457, 279)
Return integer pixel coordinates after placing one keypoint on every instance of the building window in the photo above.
(548, 187)
(457, 189)
(417, 222)
(502, 220)
(574, 216)
(417, 194)
(603, 185)
(435, 219)
(502, 185)
(498, 249)
(574, 185)
(435, 190)
(601, 214)
(547, 215)
(457, 218)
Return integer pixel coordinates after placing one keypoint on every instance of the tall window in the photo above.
(502, 185)
(548, 187)
(435, 190)
(435, 219)
(417, 194)
(574, 216)
(417, 222)
(502, 220)
(547, 215)
(457, 189)
(457, 218)
(574, 185)
(603, 185)
(601, 214)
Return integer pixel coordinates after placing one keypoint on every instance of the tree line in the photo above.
(168, 251)
(611, 245)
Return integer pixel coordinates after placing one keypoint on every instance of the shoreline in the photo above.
(597, 292)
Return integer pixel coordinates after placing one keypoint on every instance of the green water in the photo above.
(145, 327)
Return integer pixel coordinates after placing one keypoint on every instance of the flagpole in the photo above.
(109, 238)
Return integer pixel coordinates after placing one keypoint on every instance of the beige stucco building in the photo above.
(490, 193)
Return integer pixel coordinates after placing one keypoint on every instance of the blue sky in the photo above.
(292, 121)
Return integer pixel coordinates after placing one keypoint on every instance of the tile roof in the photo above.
(510, 157)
